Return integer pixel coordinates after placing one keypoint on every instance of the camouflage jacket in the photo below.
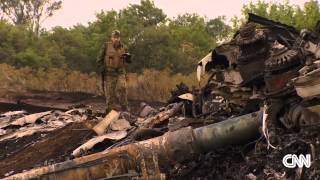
(101, 60)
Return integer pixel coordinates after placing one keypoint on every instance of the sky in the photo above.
(74, 12)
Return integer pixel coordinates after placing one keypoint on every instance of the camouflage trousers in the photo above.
(115, 88)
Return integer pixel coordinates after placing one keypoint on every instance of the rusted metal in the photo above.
(254, 49)
(280, 68)
(144, 159)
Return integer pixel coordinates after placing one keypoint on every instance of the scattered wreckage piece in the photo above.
(180, 89)
(28, 125)
(146, 110)
(299, 116)
(180, 122)
(143, 160)
(24, 138)
(26, 132)
(313, 48)
(187, 96)
(48, 148)
(283, 33)
(254, 49)
(146, 133)
(13, 113)
(307, 84)
(29, 119)
(101, 127)
(282, 66)
(160, 117)
(222, 57)
(117, 135)
(261, 65)
(8, 119)
(120, 125)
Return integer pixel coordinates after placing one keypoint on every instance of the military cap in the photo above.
(115, 33)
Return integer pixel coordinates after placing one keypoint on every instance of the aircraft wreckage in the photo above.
(263, 88)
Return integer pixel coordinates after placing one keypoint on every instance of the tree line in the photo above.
(155, 40)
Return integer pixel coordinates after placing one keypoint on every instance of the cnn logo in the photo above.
(292, 161)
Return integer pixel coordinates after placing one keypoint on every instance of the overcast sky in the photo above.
(83, 11)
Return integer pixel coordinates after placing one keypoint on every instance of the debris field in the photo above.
(261, 102)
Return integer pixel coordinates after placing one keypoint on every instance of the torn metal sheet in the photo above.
(315, 109)
(101, 127)
(146, 110)
(4, 122)
(57, 124)
(299, 116)
(201, 68)
(120, 125)
(13, 113)
(26, 132)
(313, 48)
(76, 111)
(160, 117)
(224, 55)
(2, 132)
(51, 120)
(232, 76)
(42, 148)
(29, 119)
(308, 85)
(7, 118)
(92, 142)
(187, 96)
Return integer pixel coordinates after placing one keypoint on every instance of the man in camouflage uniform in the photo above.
(112, 60)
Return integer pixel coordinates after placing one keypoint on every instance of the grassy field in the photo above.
(151, 85)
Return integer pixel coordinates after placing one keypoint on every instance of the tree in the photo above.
(73, 45)
(305, 17)
(146, 13)
(154, 40)
(15, 10)
(133, 19)
(218, 29)
(30, 13)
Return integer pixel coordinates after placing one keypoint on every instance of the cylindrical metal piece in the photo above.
(233, 131)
